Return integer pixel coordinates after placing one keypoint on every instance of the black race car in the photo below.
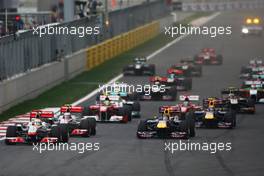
(37, 130)
(215, 113)
(238, 100)
(188, 64)
(139, 67)
(169, 124)
(157, 92)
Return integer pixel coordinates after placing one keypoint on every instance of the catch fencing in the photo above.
(23, 52)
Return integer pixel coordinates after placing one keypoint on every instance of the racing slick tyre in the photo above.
(251, 103)
(64, 133)
(220, 59)
(199, 69)
(11, 132)
(55, 132)
(132, 97)
(191, 124)
(152, 70)
(189, 84)
(85, 111)
(173, 93)
(85, 125)
(142, 126)
(136, 108)
(125, 113)
(92, 124)
(128, 110)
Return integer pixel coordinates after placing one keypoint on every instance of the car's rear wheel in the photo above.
(92, 124)
(85, 125)
(11, 132)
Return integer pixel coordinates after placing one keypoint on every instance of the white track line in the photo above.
(198, 22)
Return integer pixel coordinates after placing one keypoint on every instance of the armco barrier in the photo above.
(98, 54)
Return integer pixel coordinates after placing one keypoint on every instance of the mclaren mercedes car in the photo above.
(37, 130)
(77, 123)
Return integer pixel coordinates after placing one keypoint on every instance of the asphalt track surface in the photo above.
(121, 153)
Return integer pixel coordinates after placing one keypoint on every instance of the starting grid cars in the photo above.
(179, 120)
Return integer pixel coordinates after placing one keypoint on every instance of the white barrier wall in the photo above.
(37, 81)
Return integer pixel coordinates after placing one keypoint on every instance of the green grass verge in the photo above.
(81, 85)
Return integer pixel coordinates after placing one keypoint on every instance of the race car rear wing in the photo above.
(189, 97)
(41, 114)
(171, 109)
(71, 109)
(110, 97)
(215, 103)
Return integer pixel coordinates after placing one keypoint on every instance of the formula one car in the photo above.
(157, 92)
(123, 98)
(238, 101)
(216, 113)
(109, 110)
(173, 79)
(196, 70)
(255, 67)
(169, 124)
(77, 124)
(252, 26)
(36, 130)
(208, 57)
(139, 68)
(253, 89)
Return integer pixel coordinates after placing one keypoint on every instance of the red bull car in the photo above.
(215, 113)
(37, 130)
(208, 56)
(169, 124)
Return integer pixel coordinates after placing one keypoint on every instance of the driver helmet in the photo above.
(67, 116)
(36, 122)
(107, 101)
(186, 102)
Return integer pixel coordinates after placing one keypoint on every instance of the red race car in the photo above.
(208, 57)
(109, 110)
